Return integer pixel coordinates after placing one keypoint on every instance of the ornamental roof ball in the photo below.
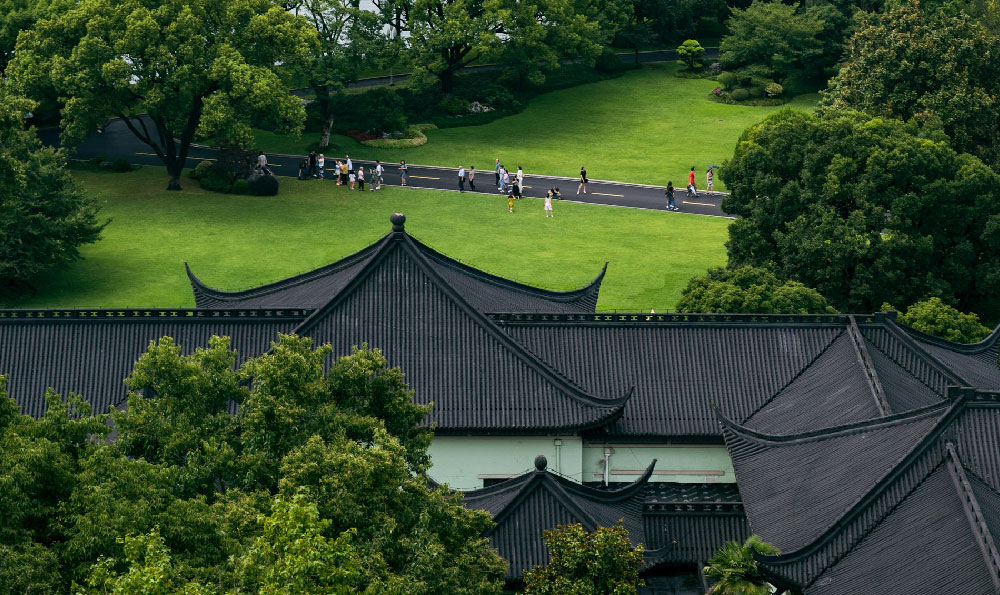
(397, 219)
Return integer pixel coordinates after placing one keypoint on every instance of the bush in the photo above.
(690, 53)
(740, 95)
(381, 110)
(773, 90)
(727, 80)
(608, 61)
(240, 186)
(756, 92)
(121, 165)
(262, 185)
(201, 170)
(454, 106)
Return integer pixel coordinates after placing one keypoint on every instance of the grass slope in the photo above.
(645, 127)
(236, 242)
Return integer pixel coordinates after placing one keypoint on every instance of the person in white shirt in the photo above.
(350, 164)
(461, 178)
(377, 182)
(320, 166)
(262, 163)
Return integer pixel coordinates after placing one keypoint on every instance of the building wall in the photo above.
(464, 462)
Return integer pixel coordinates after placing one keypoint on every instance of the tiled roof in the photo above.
(485, 292)
(926, 524)
(90, 352)
(676, 528)
(976, 363)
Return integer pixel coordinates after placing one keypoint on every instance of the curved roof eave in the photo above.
(964, 348)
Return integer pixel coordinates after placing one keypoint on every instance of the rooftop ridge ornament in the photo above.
(397, 220)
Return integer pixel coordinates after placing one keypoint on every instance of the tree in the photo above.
(190, 66)
(865, 210)
(776, 39)
(934, 317)
(733, 569)
(603, 562)
(912, 63)
(150, 571)
(750, 290)
(44, 216)
(690, 53)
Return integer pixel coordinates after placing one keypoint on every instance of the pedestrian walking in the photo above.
(343, 173)
(548, 203)
(320, 166)
(361, 178)
(378, 175)
(709, 179)
(262, 164)
(520, 176)
(516, 189)
(350, 164)
(351, 176)
(461, 178)
(303, 169)
(496, 169)
(582, 188)
(402, 173)
(692, 189)
(472, 178)
(671, 205)
(312, 164)
(504, 179)
(510, 202)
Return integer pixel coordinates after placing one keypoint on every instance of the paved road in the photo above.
(117, 141)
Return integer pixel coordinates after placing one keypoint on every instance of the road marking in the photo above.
(691, 202)
(200, 158)
(423, 177)
(603, 194)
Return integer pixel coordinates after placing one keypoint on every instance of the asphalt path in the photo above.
(118, 142)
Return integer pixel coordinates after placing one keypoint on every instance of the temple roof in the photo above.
(678, 526)
(901, 505)
(483, 291)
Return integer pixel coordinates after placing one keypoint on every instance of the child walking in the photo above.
(510, 202)
(361, 179)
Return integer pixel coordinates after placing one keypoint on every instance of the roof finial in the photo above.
(397, 219)
(541, 462)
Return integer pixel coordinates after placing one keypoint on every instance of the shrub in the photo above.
(240, 186)
(740, 95)
(263, 185)
(381, 110)
(715, 68)
(608, 61)
(773, 90)
(454, 106)
(121, 164)
(727, 80)
(756, 92)
(937, 318)
(201, 170)
(690, 53)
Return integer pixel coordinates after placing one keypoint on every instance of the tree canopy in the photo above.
(602, 562)
(934, 317)
(733, 569)
(865, 210)
(775, 39)
(44, 216)
(911, 62)
(749, 290)
(191, 66)
(314, 486)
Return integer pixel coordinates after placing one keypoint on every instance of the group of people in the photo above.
(314, 166)
(507, 183)
(692, 187)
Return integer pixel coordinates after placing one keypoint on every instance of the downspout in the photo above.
(607, 466)
(558, 444)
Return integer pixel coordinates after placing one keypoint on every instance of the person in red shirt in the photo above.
(692, 189)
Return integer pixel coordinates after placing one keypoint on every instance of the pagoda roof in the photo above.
(677, 524)
(907, 504)
(484, 291)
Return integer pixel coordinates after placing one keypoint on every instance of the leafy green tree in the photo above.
(44, 216)
(690, 53)
(150, 571)
(865, 210)
(600, 563)
(750, 290)
(733, 570)
(775, 39)
(913, 63)
(192, 66)
(934, 317)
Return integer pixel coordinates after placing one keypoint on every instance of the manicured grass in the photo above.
(646, 126)
(236, 242)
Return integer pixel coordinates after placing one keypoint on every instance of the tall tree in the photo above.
(603, 562)
(911, 62)
(775, 38)
(190, 66)
(749, 290)
(44, 216)
(865, 210)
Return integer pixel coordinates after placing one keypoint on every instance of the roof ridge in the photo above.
(871, 374)
(973, 513)
(485, 276)
(610, 496)
(292, 281)
(401, 240)
(798, 374)
(896, 331)
(989, 341)
(834, 431)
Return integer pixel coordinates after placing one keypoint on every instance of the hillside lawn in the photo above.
(646, 127)
(237, 242)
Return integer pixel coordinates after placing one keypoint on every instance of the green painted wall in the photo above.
(678, 463)
(464, 461)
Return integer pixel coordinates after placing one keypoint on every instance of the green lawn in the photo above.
(646, 127)
(236, 242)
